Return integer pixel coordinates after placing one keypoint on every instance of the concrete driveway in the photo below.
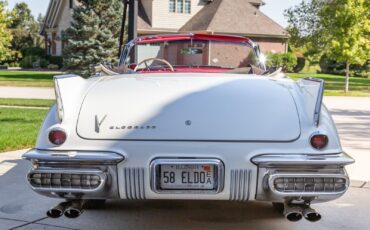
(352, 117)
(20, 208)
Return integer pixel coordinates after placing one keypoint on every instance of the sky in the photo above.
(273, 8)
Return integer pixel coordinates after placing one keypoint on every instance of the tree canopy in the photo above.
(21, 16)
(93, 36)
(5, 34)
(347, 30)
(337, 28)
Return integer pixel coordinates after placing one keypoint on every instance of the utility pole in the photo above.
(132, 26)
(121, 36)
(132, 19)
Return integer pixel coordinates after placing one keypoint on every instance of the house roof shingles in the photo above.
(234, 17)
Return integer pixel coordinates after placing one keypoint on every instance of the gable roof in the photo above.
(143, 21)
(234, 17)
(52, 14)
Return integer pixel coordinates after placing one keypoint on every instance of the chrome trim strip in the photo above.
(239, 185)
(319, 98)
(219, 167)
(134, 183)
(269, 160)
(319, 175)
(100, 188)
(88, 157)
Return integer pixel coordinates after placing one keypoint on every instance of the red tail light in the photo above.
(319, 141)
(57, 137)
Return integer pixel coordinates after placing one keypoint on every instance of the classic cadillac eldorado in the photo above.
(189, 117)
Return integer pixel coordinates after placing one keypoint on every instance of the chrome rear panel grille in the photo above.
(64, 180)
(239, 185)
(309, 184)
(134, 183)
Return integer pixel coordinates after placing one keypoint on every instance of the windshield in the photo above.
(190, 55)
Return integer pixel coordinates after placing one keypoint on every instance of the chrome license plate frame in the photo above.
(218, 176)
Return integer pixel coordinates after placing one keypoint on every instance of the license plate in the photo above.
(187, 177)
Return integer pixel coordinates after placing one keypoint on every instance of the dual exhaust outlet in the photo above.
(70, 209)
(295, 213)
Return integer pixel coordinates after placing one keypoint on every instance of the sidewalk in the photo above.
(26, 92)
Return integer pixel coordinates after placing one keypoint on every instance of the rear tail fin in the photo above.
(313, 89)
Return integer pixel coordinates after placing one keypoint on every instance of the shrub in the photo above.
(34, 51)
(339, 68)
(56, 60)
(44, 63)
(27, 62)
(53, 67)
(287, 61)
(14, 64)
(301, 62)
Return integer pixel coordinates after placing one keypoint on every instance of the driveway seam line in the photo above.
(4, 218)
(28, 223)
(52, 225)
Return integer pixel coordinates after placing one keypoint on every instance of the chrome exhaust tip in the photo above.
(292, 213)
(57, 211)
(74, 210)
(311, 214)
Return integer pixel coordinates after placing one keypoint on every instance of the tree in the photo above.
(305, 28)
(5, 34)
(337, 28)
(21, 16)
(347, 32)
(93, 36)
(25, 28)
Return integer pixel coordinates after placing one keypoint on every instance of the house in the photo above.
(236, 17)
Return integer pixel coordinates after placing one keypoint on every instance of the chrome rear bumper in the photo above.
(278, 178)
(74, 175)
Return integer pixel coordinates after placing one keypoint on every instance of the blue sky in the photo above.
(273, 8)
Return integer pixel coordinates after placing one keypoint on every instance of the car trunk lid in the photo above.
(189, 107)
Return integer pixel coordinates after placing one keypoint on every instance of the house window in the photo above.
(180, 6)
(71, 4)
(187, 7)
(172, 6)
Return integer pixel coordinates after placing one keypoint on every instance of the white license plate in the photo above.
(187, 176)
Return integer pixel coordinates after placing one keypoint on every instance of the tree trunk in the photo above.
(346, 90)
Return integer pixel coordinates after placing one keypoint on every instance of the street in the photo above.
(20, 208)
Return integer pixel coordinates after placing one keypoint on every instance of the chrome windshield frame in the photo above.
(127, 49)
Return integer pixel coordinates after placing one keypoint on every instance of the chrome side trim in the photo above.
(134, 183)
(272, 177)
(154, 165)
(83, 157)
(99, 189)
(269, 160)
(239, 185)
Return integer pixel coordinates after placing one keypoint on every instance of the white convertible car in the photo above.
(189, 117)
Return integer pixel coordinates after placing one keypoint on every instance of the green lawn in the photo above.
(27, 78)
(19, 127)
(334, 84)
(26, 102)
